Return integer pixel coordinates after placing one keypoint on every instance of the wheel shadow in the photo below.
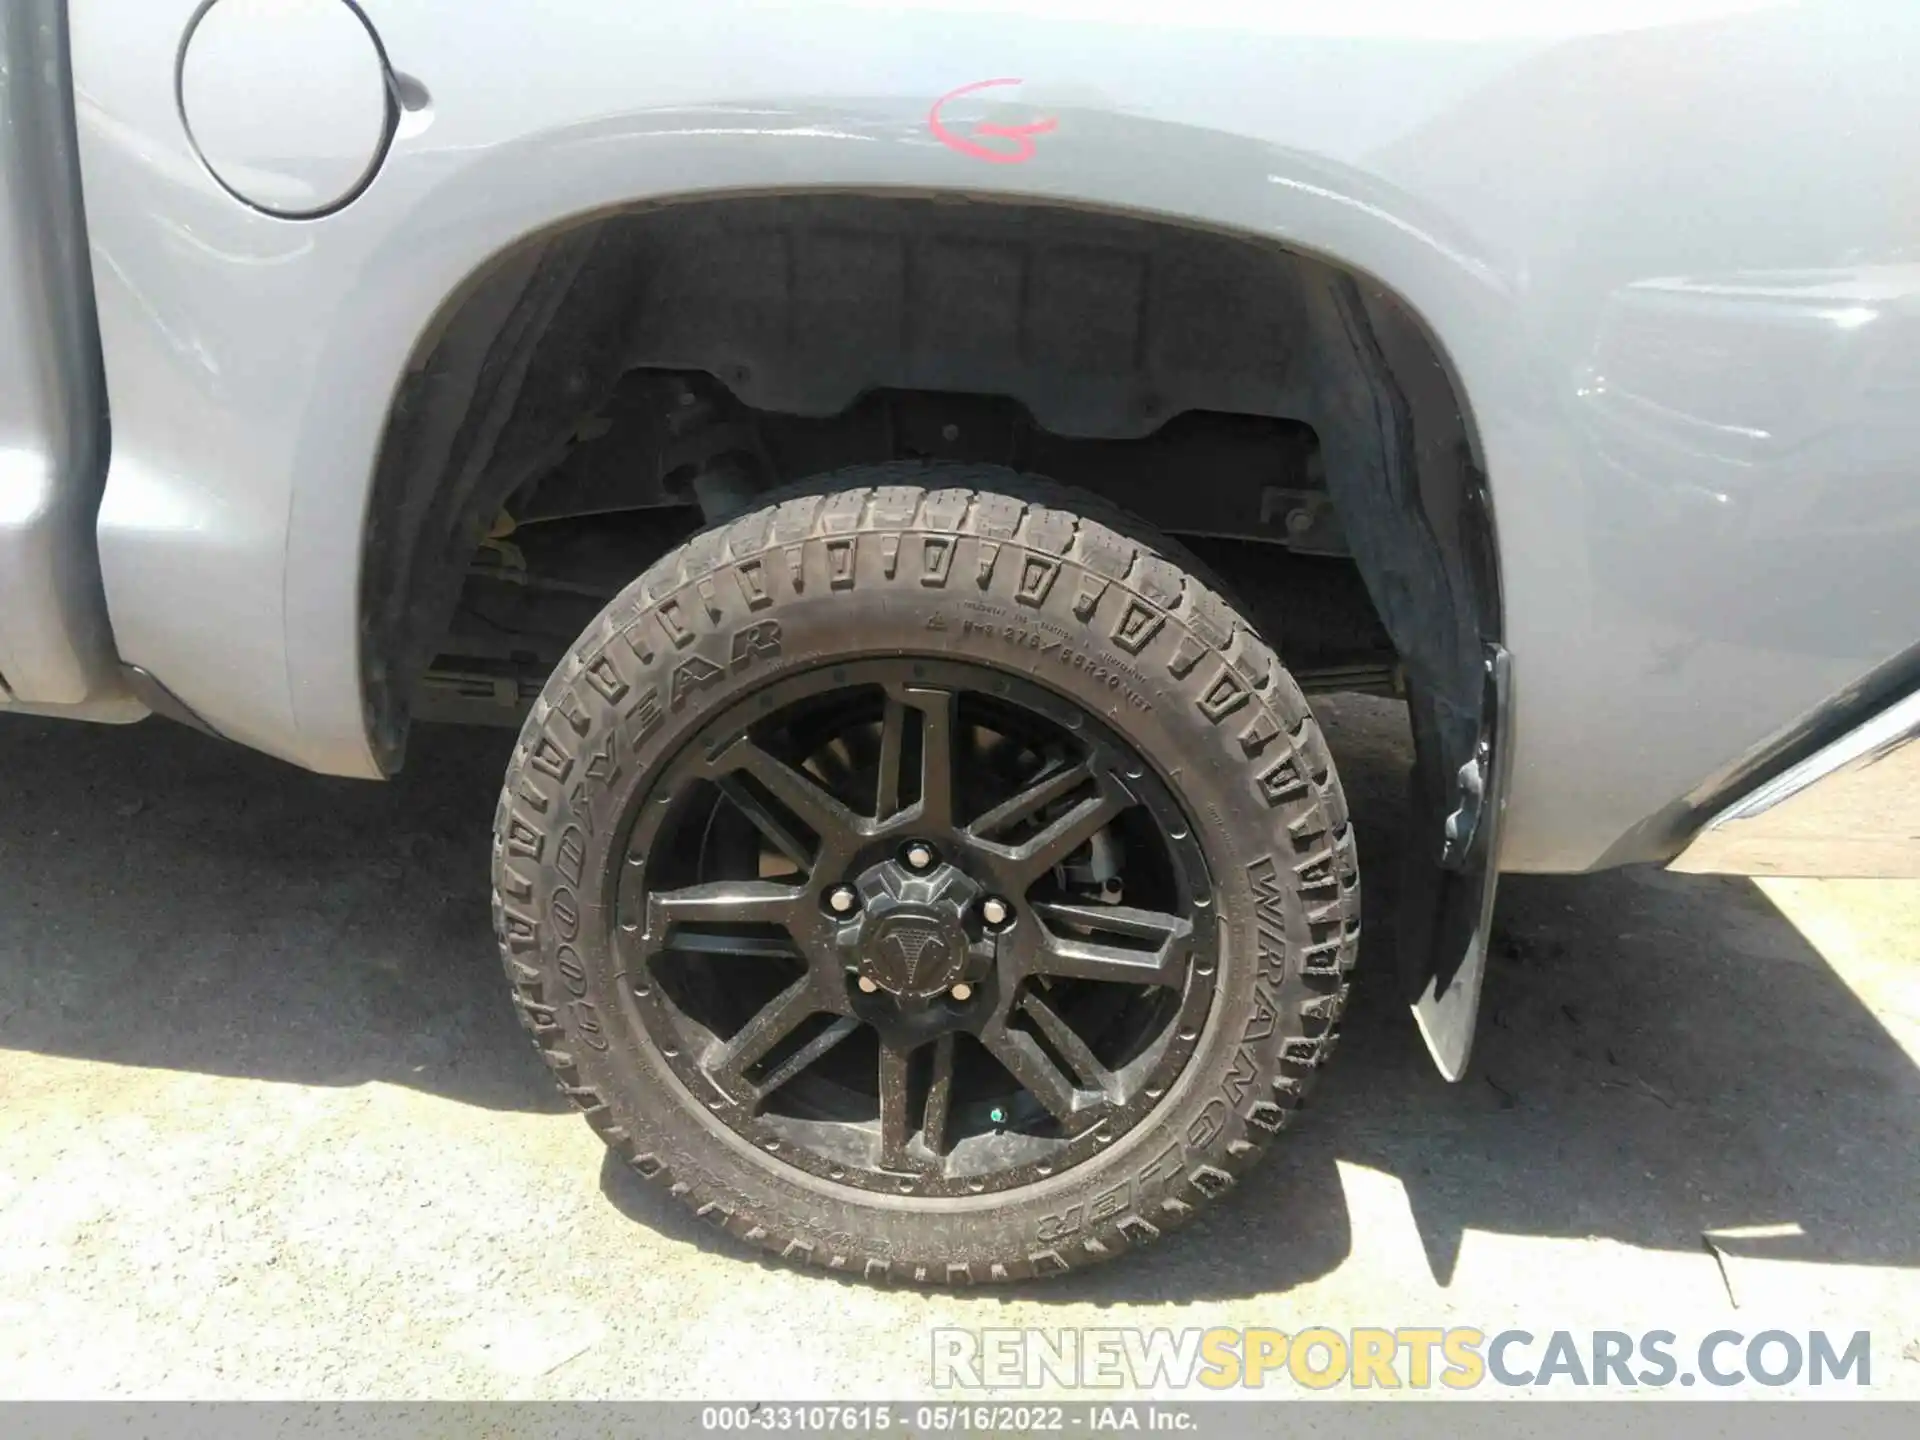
(1657, 1054)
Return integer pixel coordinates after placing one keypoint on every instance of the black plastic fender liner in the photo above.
(1418, 517)
(517, 362)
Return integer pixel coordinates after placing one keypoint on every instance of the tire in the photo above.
(955, 570)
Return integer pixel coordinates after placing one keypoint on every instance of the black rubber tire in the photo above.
(845, 569)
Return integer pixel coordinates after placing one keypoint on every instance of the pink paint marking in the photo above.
(1021, 135)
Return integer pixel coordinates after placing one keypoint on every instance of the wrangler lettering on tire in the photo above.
(927, 877)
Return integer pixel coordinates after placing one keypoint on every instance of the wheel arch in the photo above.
(534, 338)
(545, 323)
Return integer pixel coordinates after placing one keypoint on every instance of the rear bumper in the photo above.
(1851, 809)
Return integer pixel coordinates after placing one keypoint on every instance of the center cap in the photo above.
(915, 955)
(911, 938)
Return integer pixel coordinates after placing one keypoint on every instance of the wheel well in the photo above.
(603, 389)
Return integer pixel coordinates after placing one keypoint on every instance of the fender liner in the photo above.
(1418, 517)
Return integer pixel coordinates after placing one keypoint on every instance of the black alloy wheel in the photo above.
(917, 926)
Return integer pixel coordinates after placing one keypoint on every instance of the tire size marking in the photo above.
(1100, 672)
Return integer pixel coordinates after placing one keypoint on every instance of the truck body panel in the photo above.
(1665, 251)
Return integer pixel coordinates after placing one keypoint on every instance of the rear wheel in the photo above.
(928, 881)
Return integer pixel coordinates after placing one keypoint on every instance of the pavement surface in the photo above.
(269, 1129)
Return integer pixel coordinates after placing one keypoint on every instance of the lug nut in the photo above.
(841, 899)
(868, 984)
(919, 856)
(962, 991)
(994, 910)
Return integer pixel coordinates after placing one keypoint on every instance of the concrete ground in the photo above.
(268, 1127)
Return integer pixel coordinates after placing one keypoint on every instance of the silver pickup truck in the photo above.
(904, 465)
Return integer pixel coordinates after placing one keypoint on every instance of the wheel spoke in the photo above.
(1051, 846)
(1055, 785)
(1064, 1038)
(1117, 920)
(768, 822)
(1087, 958)
(1082, 960)
(776, 1020)
(937, 725)
(893, 734)
(723, 903)
(894, 1098)
(803, 1057)
(933, 1121)
(836, 825)
(1023, 1058)
(718, 942)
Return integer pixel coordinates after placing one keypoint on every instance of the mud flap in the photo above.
(1446, 911)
